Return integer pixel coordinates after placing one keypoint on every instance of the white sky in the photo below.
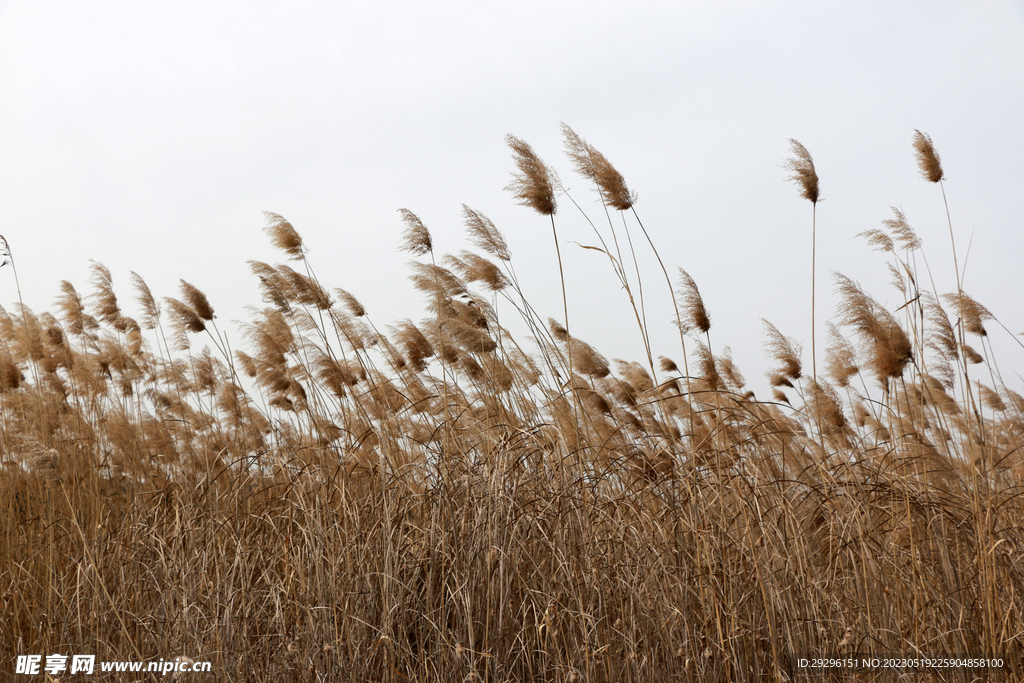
(151, 136)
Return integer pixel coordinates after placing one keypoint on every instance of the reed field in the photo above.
(466, 496)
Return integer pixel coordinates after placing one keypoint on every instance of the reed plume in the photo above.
(827, 406)
(104, 298)
(887, 347)
(484, 235)
(416, 238)
(534, 184)
(591, 164)
(785, 350)
(145, 298)
(804, 175)
(692, 304)
(5, 252)
(475, 268)
(184, 320)
(928, 161)
(72, 310)
(197, 301)
(284, 236)
(973, 313)
(901, 230)
(840, 358)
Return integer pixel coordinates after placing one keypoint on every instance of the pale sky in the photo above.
(152, 136)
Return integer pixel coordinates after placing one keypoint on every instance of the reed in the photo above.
(449, 499)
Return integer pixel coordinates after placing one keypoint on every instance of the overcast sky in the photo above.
(152, 136)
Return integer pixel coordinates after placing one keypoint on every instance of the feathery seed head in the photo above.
(783, 349)
(878, 239)
(901, 230)
(557, 331)
(107, 309)
(587, 360)
(273, 285)
(692, 304)
(927, 158)
(591, 164)
(484, 235)
(974, 314)
(888, 347)
(941, 336)
(729, 372)
(534, 184)
(184, 319)
(804, 175)
(840, 358)
(197, 300)
(707, 368)
(69, 303)
(150, 309)
(284, 236)
(475, 268)
(415, 344)
(667, 364)
(305, 290)
(990, 399)
(416, 238)
(436, 281)
(351, 303)
(825, 403)
(971, 355)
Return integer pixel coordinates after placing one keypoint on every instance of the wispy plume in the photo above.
(927, 158)
(593, 165)
(534, 184)
(284, 236)
(784, 350)
(484, 235)
(197, 300)
(692, 304)
(416, 238)
(887, 347)
(804, 175)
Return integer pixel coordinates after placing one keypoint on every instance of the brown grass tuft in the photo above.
(534, 184)
(901, 230)
(197, 300)
(484, 235)
(593, 165)
(184, 320)
(804, 175)
(284, 236)
(668, 365)
(785, 350)
(886, 344)
(104, 298)
(150, 308)
(351, 304)
(72, 311)
(416, 239)
(691, 304)
(927, 158)
(840, 358)
(475, 268)
(974, 314)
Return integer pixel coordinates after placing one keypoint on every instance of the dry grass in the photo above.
(450, 502)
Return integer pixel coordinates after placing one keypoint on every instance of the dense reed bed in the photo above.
(470, 498)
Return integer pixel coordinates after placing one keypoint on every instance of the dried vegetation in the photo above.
(444, 500)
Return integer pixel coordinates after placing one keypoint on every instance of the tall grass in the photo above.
(446, 500)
